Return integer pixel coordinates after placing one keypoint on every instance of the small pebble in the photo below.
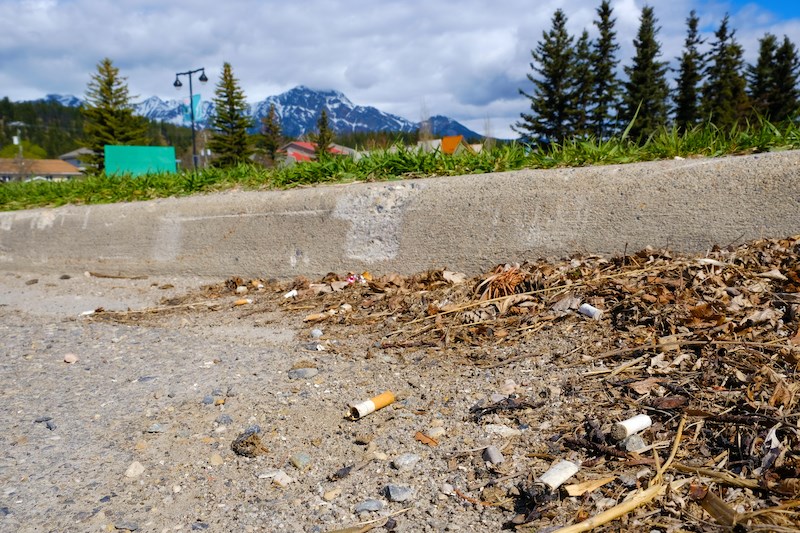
(448, 489)
(331, 495)
(316, 333)
(634, 443)
(398, 493)
(126, 526)
(156, 428)
(508, 387)
(492, 455)
(50, 425)
(241, 289)
(215, 460)
(300, 460)
(369, 505)
(70, 358)
(208, 399)
(33, 281)
(199, 526)
(303, 373)
(224, 420)
(43, 419)
(436, 432)
(135, 469)
(65, 276)
(176, 489)
(406, 461)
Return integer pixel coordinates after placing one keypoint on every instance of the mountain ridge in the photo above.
(298, 110)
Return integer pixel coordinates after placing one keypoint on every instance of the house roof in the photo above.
(75, 154)
(451, 144)
(37, 167)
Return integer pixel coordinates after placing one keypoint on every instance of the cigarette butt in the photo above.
(380, 401)
(559, 473)
(631, 426)
(243, 301)
(590, 311)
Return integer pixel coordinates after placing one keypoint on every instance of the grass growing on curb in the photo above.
(405, 163)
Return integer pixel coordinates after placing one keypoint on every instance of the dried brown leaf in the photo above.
(424, 439)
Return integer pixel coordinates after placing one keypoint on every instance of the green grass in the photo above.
(404, 163)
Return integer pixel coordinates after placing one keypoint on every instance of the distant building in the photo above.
(74, 157)
(299, 151)
(453, 144)
(36, 170)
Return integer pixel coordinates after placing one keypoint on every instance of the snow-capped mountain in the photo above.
(298, 110)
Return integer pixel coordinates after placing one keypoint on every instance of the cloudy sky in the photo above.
(466, 60)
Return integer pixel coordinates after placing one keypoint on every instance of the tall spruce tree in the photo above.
(605, 92)
(108, 117)
(690, 74)
(582, 96)
(323, 137)
(724, 101)
(229, 142)
(761, 76)
(786, 103)
(552, 102)
(271, 131)
(644, 102)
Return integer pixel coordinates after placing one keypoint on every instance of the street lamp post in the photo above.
(178, 85)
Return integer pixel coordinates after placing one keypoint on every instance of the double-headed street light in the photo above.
(178, 85)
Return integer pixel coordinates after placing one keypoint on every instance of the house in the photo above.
(453, 144)
(300, 151)
(74, 157)
(36, 170)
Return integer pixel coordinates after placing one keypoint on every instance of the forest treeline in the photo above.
(577, 91)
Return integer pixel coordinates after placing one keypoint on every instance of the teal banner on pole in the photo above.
(187, 116)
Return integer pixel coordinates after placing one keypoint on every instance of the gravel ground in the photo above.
(136, 434)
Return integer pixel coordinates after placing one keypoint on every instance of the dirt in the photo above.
(224, 405)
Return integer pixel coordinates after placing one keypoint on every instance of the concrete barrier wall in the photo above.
(467, 223)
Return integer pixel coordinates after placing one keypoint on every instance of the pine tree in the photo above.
(646, 90)
(552, 97)
(271, 130)
(724, 101)
(229, 124)
(605, 95)
(582, 95)
(108, 114)
(323, 137)
(692, 63)
(761, 76)
(786, 101)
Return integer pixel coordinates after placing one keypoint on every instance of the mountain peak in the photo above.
(298, 110)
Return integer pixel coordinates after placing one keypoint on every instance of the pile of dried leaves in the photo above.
(707, 346)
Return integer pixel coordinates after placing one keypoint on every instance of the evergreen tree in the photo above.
(605, 94)
(646, 90)
(687, 109)
(552, 98)
(724, 101)
(323, 137)
(786, 101)
(582, 96)
(229, 141)
(271, 130)
(108, 114)
(761, 76)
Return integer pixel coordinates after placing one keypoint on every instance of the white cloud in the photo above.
(465, 60)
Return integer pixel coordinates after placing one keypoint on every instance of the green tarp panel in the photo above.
(138, 160)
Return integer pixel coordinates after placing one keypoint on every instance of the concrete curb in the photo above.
(467, 223)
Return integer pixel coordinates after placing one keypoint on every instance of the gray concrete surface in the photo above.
(468, 223)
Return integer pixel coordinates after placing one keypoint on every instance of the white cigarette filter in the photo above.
(591, 311)
(364, 408)
(559, 473)
(626, 428)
